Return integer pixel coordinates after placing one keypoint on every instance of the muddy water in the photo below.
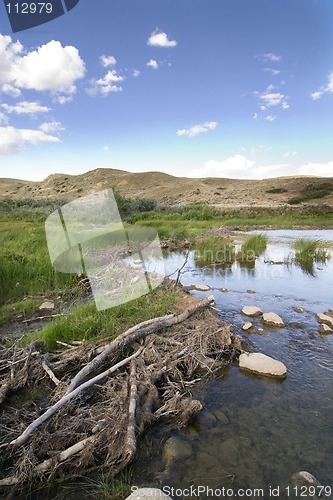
(255, 433)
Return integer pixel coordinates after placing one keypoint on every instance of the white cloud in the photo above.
(3, 119)
(290, 154)
(54, 127)
(62, 99)
(25, 108)
(317, 169)
(13, 140)
(273, 99)
(233, 167)
(152, 64)
(51, 67)
(272, 71)
(197, 129)
(324, 90)
(270, 118)
(160, 39)
(107, 149)
(136, 73)
(269, 56)
(107, 61)
(317, 95)
(106, 85)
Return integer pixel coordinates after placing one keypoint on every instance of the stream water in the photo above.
(255, 433)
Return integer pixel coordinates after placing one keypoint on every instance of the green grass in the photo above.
(21, 309)
(313, 191)
(252, 247)
(308, 251)
(25, 266)
(186, 222)
(86, 323)
(214, 250)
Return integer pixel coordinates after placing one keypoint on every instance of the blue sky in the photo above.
(226, 88)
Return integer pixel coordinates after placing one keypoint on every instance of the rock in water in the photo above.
(247, 325)
(272, 319)
(325, 329)
(326, 320)
(262, 365)
(148, 494)
(303, 480)
(251, 311)
(176, 449)
(202, 288)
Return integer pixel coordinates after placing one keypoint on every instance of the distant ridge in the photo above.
(168, 189)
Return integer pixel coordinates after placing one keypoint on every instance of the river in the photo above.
(268, 430)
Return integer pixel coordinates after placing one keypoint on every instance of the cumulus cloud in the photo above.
(324, 90)
(272, 71)
(235, 166)
(107, 149)
(51, 127)
(106, 85)
(25, 108)
(107, 61)
(273, 99)
(160, 39)
(269, 56)
(136, 73)
(317, 169)
(51, 67)
(152, 64)
(270, 118)
(13, 140)
(197, 129)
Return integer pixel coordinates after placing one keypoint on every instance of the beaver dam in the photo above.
(83, 408)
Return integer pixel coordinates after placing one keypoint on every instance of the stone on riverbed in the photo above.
(148, 494)
(303, 480)
(326, 320)
(202, 288)
(262, 365)
(251, 311)
(325, 329)
(272, 319)
(176, 449)
(247, 325)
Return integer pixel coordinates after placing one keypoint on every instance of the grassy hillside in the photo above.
(170, 190)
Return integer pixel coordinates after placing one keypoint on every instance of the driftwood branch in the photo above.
(135, 333)
(130, 440)
(23, 438)
(60, 457)
(50, 373)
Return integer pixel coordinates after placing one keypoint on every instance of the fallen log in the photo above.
(135, 333)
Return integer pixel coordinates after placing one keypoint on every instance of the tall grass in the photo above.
(307, 250)
(252, 247)
(25, 266)
(214, 250)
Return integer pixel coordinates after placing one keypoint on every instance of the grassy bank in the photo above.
(193, 220)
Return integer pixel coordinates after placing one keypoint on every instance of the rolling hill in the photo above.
(170, 190)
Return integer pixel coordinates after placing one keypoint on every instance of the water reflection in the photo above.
(260, 433)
